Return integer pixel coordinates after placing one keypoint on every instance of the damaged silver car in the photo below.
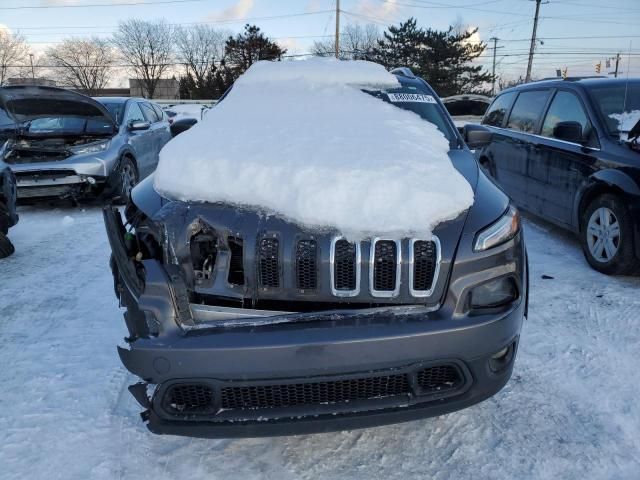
(68, 145)
(246, 324)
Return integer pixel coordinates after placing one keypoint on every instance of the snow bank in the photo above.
(297, 139)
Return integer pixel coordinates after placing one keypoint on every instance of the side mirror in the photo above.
(476, 136)
(179, 126)
(568, 131)
(137, 126)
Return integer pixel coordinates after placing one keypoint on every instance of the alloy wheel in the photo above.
(603, 235)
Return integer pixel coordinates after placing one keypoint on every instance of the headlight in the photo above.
(493, 294)
(96, 147)
(499, 232)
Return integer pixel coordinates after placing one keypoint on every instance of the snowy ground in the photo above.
(571, 410)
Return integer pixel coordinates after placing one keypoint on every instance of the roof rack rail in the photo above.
(568, 79)
(403, 71)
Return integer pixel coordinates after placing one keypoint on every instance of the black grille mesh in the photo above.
(268, 263)
(384, 265)
(318, 393)
(424, 258)
(190, 398)
(439, 378)
(344, 267)
(306, 265)
(236, 266)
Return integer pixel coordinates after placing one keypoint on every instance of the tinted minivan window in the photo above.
(498, 109)
(565, 107)
(527, 110)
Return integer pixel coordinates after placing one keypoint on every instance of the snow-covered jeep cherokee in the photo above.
(321, 252)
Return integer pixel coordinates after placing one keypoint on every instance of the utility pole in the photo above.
(615, 74)
(33, 73)
(533, 41)
(493, 72)
(337, 28)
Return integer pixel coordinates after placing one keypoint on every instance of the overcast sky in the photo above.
(602, 28)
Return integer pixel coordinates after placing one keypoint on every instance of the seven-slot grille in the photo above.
(385, 268)
(307, 265)
(268, 261)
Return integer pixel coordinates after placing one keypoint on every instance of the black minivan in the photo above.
(568, 151)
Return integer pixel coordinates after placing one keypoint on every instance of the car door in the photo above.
(140, 140)
(164, 129)
(527, 173)
(567, 163)
(156, 132)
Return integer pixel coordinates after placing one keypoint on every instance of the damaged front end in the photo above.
(244, 324)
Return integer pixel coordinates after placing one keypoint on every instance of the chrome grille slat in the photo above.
(385, 268)
(345, 267)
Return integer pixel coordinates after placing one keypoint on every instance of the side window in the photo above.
(565, 107)
(134, 114)
(498, 109)
(527, 110)
(158, 111)
(149, 112)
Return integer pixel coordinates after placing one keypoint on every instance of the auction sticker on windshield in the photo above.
(411, 97)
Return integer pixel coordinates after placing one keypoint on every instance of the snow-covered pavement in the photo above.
(571, 410)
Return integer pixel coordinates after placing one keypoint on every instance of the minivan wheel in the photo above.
(6, 247)
(607, 237)
(127, 178)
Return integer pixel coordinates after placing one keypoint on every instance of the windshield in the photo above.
(616, 99)
(425, 105)
(67, 126)
(116, 109)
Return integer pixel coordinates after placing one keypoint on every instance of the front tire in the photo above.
(606, 235)
(126, 177)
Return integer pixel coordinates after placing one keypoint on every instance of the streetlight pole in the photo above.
(493, 73)
(33, 73)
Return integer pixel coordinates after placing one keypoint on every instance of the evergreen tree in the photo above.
(248, 47)
(442, 58)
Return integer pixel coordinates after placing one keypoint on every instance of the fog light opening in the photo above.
(500, 360)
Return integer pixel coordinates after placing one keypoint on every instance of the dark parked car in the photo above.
(558, 150)
(242, 324)
(466, 109)
(64, 144)
(8, 214)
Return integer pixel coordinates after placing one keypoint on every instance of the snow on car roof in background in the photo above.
(299, 140)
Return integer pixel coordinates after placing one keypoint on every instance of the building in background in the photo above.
(167, 89)
(42, 82)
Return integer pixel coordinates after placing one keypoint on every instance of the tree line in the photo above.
(208, 60)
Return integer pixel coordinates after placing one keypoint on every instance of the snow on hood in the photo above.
(299, 140)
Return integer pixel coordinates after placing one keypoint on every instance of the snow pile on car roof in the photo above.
(626, 120)
(301, 140)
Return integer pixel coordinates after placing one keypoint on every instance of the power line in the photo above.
(88, 5)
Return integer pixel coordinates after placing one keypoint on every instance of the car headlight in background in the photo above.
(96, 147)
(499, 232)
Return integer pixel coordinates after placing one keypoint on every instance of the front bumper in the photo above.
(313, 355)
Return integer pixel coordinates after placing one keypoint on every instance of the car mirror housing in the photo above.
(477, 136)
(137, 126)
(568, 131)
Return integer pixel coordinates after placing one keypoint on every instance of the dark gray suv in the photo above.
(245, 324)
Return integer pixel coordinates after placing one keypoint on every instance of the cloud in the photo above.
(240, 9)
(379, 10)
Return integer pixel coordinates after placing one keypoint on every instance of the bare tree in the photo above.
(13, 52)
(83, 64)
(147, 48)
(356, 42)
(200, 48)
